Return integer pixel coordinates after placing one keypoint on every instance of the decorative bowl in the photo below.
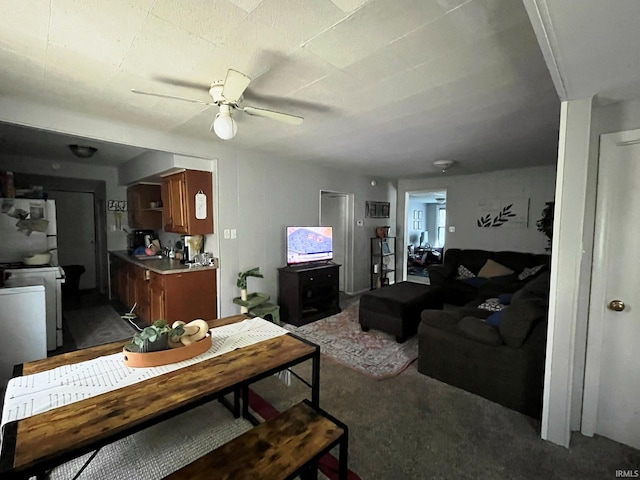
(164, 357)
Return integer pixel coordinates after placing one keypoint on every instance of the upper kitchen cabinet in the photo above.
(140, 197)
(188, 203)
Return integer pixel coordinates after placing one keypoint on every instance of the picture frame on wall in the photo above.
(377, 209)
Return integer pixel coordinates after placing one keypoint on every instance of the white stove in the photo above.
(53, 278)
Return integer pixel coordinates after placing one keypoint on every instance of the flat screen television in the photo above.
(309, 244)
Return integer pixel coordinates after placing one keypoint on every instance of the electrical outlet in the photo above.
(233, 233)
(227, 234)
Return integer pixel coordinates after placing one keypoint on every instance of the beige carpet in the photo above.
(96, 326)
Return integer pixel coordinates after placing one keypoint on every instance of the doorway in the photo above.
(611, 404)
(335, 212)
(425, 232)
(97, 189)
(76, 239)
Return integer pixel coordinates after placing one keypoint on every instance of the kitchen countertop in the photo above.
(164, 266)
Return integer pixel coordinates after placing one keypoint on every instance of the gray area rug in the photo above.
(96, 326)
(162, 449)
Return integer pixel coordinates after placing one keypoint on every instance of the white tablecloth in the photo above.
(38, 393)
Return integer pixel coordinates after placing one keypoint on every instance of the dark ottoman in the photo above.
(396, 309)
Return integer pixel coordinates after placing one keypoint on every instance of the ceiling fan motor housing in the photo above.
(216, 92)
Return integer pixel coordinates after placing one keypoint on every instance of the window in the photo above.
(441, 224)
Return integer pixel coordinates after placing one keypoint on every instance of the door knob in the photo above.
(617, 305)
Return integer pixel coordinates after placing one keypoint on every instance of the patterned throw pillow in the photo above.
(464, 272)
(529, 272)
(491, 304)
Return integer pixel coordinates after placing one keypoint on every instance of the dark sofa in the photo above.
(503, 363)
(461, 291)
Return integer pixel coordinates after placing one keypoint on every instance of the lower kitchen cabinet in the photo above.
(156, 296)
(184, 296)
(171, 296)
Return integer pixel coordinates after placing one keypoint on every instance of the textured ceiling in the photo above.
(386, 87)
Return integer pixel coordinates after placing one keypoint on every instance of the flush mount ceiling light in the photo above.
(224, 125)
(82, 151)
(443, 164)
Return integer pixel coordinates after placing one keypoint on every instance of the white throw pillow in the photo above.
(529, 272)
(464, 272)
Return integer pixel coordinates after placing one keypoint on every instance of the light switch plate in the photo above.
(360, 223)
(233, 233)
(452, 229)
(227, 233)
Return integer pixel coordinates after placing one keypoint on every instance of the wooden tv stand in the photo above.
(307, 293)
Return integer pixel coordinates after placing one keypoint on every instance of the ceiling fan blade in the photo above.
(180, 82)
(234, 85)
(282, 117)
(173, 97)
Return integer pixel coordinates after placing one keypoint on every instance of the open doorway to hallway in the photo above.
(335, 211)
(425, 231)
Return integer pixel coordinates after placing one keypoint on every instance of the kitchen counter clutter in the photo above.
(162, 266)
(163, 289)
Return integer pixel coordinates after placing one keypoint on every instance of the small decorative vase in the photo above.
(161, 343)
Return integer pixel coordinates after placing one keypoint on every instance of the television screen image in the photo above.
(309, 244)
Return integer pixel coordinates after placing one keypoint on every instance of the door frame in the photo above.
(407, 220)
(349, 240)
(99, 190)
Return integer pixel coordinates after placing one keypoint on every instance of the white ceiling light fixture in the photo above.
(82, 151)
(224, 125)
(443, 164)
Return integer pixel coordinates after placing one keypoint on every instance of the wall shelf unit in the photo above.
(382, 261)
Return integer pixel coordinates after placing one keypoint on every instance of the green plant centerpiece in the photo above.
(155, 337)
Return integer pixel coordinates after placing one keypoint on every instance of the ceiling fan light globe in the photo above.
(225, 126)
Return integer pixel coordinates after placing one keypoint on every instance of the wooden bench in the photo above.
(283, 447)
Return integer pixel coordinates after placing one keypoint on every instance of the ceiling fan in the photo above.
(227, 95)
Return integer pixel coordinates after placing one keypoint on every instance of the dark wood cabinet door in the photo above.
(156, 298)
(190, 295)
(178, 204)
(178, 195)
(174, 200)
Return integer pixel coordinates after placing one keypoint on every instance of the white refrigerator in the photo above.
(28, 226)
(22, 320)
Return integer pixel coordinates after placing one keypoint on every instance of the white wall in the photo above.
(463, 193)
(260, 195)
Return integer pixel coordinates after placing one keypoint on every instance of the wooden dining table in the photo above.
(35, 444)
